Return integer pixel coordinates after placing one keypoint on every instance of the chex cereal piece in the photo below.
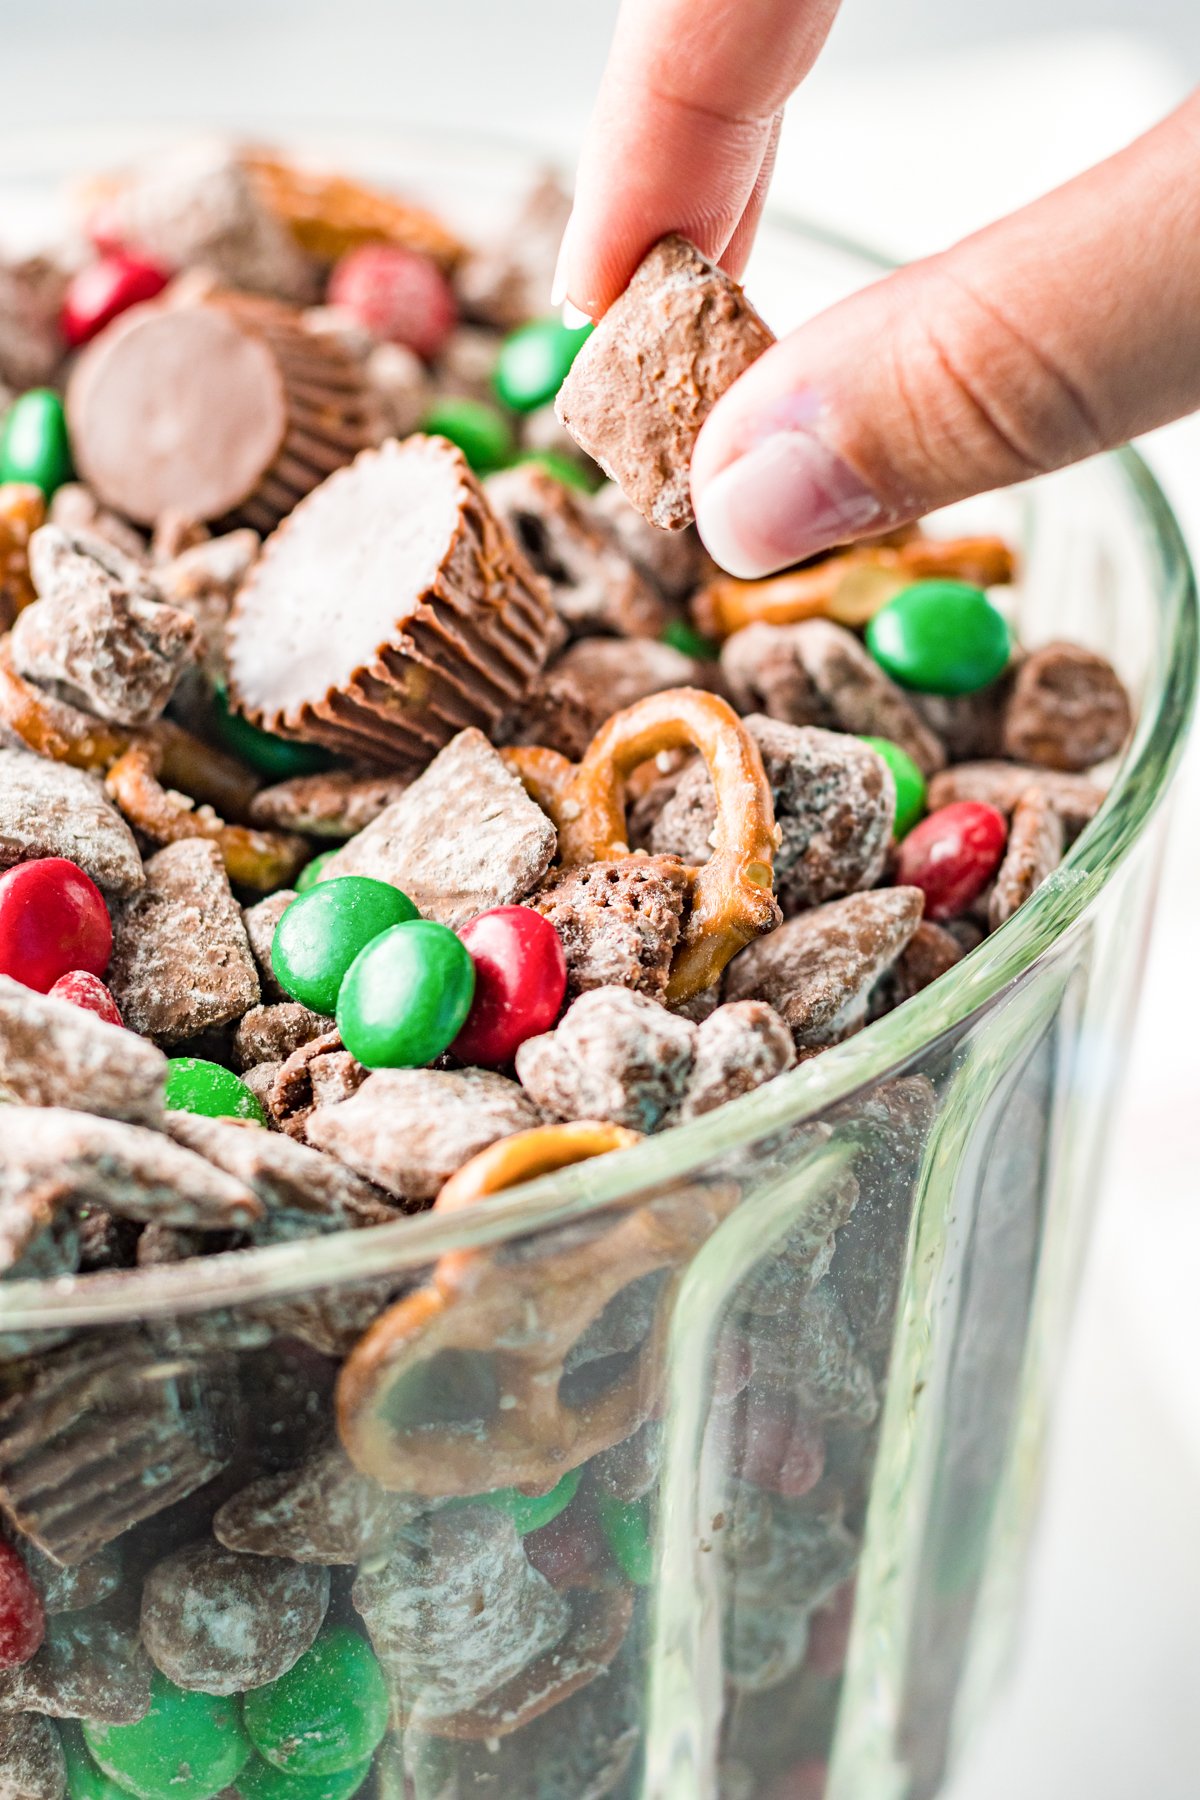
(260, 921)
(834, 802)
(271, 1033)
(810, 1355)
(302, 1192)
(651, 372)
(818, 673)
(505, 281)
(31, 296)
(818, 969)
(334, 805)
(614, 1055)
(49, 809)
(1004, 785)
(673, 560)
(618, 921)
(1034, 851)
(968, 726)
(32, 1764)
(53, 1053)
(323, 1511)
(929, 953)
(76, 509)
(260, 1080)
(792, 1552)
(216, 1622)
(409, 611)
(408, 1130)
(181, 959)
(63, 1590)
(593, 583)
(594, 678)
(1068, 709)
(457, 1612)
(90, 1666)
(738, 1047)
(320, 1073)
(463, 838)
(98, 632)
(202, 581)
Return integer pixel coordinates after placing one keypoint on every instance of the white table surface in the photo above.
(1105, 1702)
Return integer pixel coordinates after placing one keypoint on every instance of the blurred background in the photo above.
(924, 119)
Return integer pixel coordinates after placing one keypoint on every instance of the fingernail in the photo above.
(787, 498)
(558, 287)
(574, 317)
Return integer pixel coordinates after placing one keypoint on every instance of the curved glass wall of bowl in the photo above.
(814, 1398)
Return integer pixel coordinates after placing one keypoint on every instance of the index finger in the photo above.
(682, 129)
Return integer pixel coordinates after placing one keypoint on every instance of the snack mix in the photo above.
(394, 810)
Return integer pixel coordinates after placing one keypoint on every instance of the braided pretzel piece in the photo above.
(731, 898)
(851, 586)
(262, 860)
(524, 1307)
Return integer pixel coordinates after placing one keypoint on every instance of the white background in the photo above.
(925, 118)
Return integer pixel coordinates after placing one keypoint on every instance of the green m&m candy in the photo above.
(535, 360)
(406, 997)
(323, 931)
(277, 757)
(684, 637)
(86, 1780)
(910, 783)
(327, 1714)
(940, 637)
(529, 1512)
(34, 445)
(481, 433)
(312, 872)
(189, 1746)
(197, 1086)
(626, 1525)
(260, 1780)
(572, 474)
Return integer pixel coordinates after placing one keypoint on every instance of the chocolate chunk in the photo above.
(1004, 785)
(324, 1511)
(592, 582)
(408, 1130)
(465, 837)
(53, 1053)
(615, 1055)
(272, 1033)
(410, 613)
(456, 1613)
(674, 561)
(817, 673)
(302, 1192)
(738, 1048)
(216, 1622)
(834, 801)
(335, 805)
(181, 959)
(651, 372)
(260, 921)
(50, 809)
(1034, 851)
(32, 1764)
(595, 678)
(818, 969)
(101, 637)
(90, 1666)
(1068, 709)
(619, 921)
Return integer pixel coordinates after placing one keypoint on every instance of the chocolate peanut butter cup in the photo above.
(218, 407)
(389, 612)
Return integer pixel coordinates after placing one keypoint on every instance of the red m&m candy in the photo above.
(53, 920)
(102, 290)
(952, 855)
(22, 1620)
(520, 982)
(396, 295)
(87, 990)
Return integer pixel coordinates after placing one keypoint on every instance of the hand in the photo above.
(1060, 331)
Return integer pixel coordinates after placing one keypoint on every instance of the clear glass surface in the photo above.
(802, 1350)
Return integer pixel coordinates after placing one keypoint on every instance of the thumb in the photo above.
(1060, 331)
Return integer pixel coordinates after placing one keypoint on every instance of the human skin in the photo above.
(1057, 332)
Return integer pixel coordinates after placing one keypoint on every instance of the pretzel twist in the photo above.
(851, 586)
(731, 902)
(262, 860)
(524, 1312)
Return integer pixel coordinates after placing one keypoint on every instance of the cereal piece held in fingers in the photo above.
(615, 1055)
(1004, 785)
(738, 1047)
(181, 959)
(216, 1622)
(1068, 709)
(593, 679)
(618, 921)
(410, 613)
(408, 1130)
(834, 802)
(1035, 849)
(53, 1053)
(818, 969)
(465, 837)
(338, 804)
(651, 372)
(49, 809)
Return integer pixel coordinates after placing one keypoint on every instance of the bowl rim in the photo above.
(882, 1049)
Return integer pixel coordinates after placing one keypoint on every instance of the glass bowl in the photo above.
(786, 1369)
